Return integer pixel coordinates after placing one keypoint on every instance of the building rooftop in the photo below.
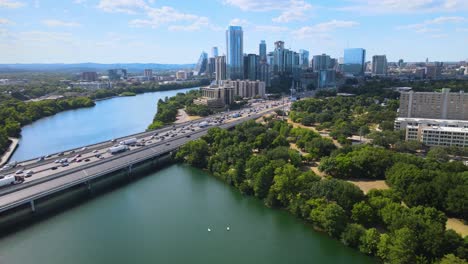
(413, 119)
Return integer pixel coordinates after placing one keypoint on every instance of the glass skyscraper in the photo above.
(354, 61)
(234, 53)
(262, 51)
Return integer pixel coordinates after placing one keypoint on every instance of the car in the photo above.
(187, 136)
(47, 156)
(61, 154)
(57, 161)
(79, 160)
(19, 171)
(86, 160)
(65, 164)
(78, 156)
(101, 157)
(114, 140)
(95, 151)
(40, 159)
(54, 168)
(71, 152)
(97, 155)
(167, 144)
(149, 142)
(84, 148)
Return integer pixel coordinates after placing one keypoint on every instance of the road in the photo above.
(49, 175)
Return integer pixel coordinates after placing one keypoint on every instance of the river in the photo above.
(111, 118)
(161, 218)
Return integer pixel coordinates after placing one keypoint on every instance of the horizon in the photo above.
(80, 31)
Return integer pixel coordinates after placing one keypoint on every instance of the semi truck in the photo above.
(117, 149)
(10, 180)
(129, 141)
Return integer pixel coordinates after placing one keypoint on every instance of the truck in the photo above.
(129, 141)
(117, 149)
(203, 124)
(10, 180)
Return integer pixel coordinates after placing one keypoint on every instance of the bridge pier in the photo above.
(88, 185)
(33, 207)
(129, 171)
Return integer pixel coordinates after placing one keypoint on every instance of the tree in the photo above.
(263, 180)
(438, 153)
(402, 247)
(363, 214)
(329, 216)
(194, 153)
(370, 241)
(452, 259)
(352, 234)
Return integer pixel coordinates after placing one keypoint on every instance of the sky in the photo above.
(177, 31)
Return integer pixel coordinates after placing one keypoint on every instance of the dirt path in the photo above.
(367, 185)
(321, 133)
(458, 226)
(183, 117)
(11, 149)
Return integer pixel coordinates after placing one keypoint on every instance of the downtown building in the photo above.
(223, 93)
(234, 53)
(435, 119)
(354, 61)
(379, 65)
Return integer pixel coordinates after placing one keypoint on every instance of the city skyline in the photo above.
(116, 31)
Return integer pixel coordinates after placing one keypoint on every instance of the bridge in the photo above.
(95, 162)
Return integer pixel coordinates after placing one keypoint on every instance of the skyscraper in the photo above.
(323, 66)
(202, 63)
(321, 62)
(220, 68)
(303, 58)
(379, 65)
(262, 51)
(211, 67)
(354, 61)
(235, 53)
(251, 67)
(214, 52)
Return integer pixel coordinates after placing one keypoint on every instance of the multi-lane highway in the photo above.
(53, 171)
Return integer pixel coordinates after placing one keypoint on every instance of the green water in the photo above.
(163, 218)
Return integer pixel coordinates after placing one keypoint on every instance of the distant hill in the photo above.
(78, 67)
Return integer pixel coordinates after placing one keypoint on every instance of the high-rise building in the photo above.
(251, 66)
(262, 51)
(202, 64)
(89, 76)
(401, 63)
(263, 73)
(181, 75)
(303, 58)
(321, 62)
(220, 68)
(235, 53)
(445, 105)
(379, 65)
(214, 52)
(323, 66)
(117, 74)
(354, 61)
(434, 71)
(279, 57)
(148, 73)
(211, 67)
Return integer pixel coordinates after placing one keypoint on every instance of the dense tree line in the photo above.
(168, 108)
(430, 181)
(257, 160)
(14, 114)
(345, 116)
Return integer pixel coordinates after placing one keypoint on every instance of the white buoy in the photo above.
(227, 228)
(209, 230)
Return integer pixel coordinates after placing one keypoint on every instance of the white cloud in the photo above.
(239, 22)
(169, 15)
(259, 5)
(430, 25)
(323, 28)
(11, 4)
(272, 29)
(79, 2)
(44, 37)
(405, 6)
(59, 23)
(4, 21)
(439, 36)
(297, 10)
(122, 6)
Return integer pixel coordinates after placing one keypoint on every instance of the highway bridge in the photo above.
(94, 161)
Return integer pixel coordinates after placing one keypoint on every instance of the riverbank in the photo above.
(9, 152)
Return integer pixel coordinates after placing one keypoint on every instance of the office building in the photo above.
(262, 51)
(89, 76)
(234, 53)
(434, 71)
(251, 66)
(379, 65)
(263, 73)
(211, 67)
(202, 64)
(444, 105)
(303, 58)
(181, 75)
(279, 58)
(321, 62)
(325, 75)
(220, 68)
(354, 61)
(148, 73)
(223, 93)
(117, 74)
(214, 52)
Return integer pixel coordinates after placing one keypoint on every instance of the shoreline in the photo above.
(10, 151)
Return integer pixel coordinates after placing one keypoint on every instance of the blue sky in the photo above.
(176, 31)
